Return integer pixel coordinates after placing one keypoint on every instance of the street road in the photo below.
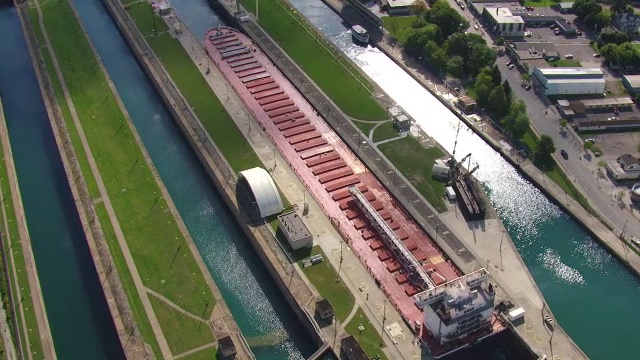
(598, 192)
(545, 120)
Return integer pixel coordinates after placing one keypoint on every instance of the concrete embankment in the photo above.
(127, 330)
(262, 239)
(7, 339)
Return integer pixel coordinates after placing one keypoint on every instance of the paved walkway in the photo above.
(137, 280)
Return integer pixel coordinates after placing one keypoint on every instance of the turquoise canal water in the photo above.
(252, 296)
(76, 308)
(593, 295)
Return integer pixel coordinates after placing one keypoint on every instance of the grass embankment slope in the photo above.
(151, 232)
(326, 65)
(18, 276)
(415, 163)
(369, 338)
(196, 90)
(399, 26)
(556, 174)
(325, 279)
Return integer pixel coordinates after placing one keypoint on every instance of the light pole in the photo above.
(384, 318)
(340, 264)
(501, 238)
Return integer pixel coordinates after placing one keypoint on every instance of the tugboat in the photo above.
(360, 34)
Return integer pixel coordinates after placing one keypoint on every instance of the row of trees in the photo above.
(592, 14)
(624, 54)
(496, 98)
(439, 40)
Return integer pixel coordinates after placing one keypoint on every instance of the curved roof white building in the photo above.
(264, 191)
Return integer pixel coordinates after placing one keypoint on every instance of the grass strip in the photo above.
(123, 271)
(206, 354)
(557, 175)
(321, 60)
(365, 126)
(193, 333)
(399, 26)
(220, 126)
(21, 290)
(384, 132)
(131, 186)
(325, 279)
(64, 107)
(369, 338)
(415, 163)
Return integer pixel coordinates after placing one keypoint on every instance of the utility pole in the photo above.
(384, 318)
(340, 265)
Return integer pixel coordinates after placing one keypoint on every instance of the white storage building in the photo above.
(569, 81)
(502, 22)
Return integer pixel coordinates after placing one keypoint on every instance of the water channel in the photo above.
(253, 298)
(590, 292)
(76, 308)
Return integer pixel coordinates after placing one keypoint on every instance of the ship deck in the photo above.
(327, 168)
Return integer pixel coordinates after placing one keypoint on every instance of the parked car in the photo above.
(579, 33)
(528, 87)
(591, 141)
(564, 154)
(511, 66)
(596, 55)
(569, 56)
(616, 111)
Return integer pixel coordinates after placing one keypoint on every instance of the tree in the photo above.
(613, 36)
(438, 58)
(480, 55)
(507, 90)
(483, 86)
(500, 41)
(418, 7)
(496, 75)
(455, 67)
(583, 8)
(542, 156)
(618, 6)
(497, 104)
(563, 124)
(520, 126)
(447, 18)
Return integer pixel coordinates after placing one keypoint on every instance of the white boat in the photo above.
(360, 34)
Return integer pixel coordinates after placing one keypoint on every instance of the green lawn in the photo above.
(323, 276)
(365, 126)
(565, 63)
(192, 334)
(322, 61)
(131, 186)
(384, 132)
(206, 354)
(21, 291)
(541, 3)
(197, 91)
(415, 163)
(398, 26)
(369, 338)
